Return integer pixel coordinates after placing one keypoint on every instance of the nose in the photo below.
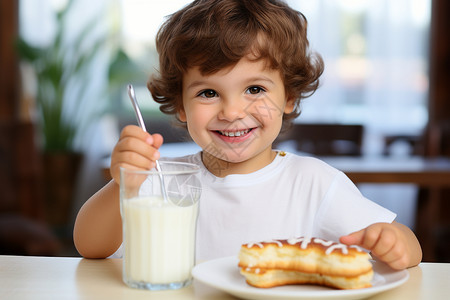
(233, 109)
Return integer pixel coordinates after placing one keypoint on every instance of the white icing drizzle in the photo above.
(337, 246)
(260, 245)
(276, 242)
(331, 246)
(249, 245)
(323, 242)
(359, 249)
(304, 241)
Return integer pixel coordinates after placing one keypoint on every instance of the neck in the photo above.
(222, 168)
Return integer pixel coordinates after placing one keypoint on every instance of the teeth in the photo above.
(234, 133)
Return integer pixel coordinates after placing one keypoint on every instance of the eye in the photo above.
(208, 94)
(254, 90)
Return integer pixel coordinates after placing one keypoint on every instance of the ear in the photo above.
(290, 105)
(181, 115)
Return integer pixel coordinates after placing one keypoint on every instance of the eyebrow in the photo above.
(261, 78)
(251, 79)
(195, 84)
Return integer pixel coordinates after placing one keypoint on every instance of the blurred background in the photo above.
(64, 69)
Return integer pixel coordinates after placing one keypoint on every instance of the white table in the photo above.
(24, 277)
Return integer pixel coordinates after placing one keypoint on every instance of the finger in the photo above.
(397, 255)
(134, 159)
(354, 238)
(157, 140)
(115, 172)
(132, 153)
(123, 163)
(371, 236)
(136, 145)
(126, 166)
(400, 263)
(136, 132)
(366, 238)
(384, 247)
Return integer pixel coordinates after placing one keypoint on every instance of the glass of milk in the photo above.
(159, 234)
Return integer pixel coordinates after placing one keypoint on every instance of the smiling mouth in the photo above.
(234, 133)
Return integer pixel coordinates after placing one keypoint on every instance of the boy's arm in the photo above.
(392, 243)
(98, 226)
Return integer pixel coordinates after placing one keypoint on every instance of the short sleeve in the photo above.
(345, 210)
(118, 253)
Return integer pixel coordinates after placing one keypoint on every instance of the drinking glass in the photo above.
(158, 231)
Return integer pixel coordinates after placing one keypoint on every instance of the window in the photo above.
(375, 55)
(376, 64)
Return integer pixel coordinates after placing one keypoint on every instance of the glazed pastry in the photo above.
(305, 261)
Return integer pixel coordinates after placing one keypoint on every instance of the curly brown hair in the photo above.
(215, 34)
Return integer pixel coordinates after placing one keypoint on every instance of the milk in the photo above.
(159, 241)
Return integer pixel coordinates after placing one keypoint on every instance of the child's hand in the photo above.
(136, 150)
(386, 242)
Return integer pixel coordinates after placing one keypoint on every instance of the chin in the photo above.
(239, 156)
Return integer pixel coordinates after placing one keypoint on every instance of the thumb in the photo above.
(355, 238)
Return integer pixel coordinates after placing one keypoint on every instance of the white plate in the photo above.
(224, 275)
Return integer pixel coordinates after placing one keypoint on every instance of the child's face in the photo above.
(236, 113)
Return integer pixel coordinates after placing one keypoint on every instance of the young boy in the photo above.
(234, 73)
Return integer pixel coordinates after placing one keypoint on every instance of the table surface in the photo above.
(26, 277)
(380, 169)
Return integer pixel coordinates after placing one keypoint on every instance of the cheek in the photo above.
(267, 111)
(197, 118)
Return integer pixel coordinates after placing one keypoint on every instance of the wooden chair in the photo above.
(325, 139)
(433, 220)
(22, 227)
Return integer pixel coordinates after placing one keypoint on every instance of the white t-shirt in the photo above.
(292, 196)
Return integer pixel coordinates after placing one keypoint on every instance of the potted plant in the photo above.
(61, 70)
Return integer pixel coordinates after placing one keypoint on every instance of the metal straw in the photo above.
(140, 120)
